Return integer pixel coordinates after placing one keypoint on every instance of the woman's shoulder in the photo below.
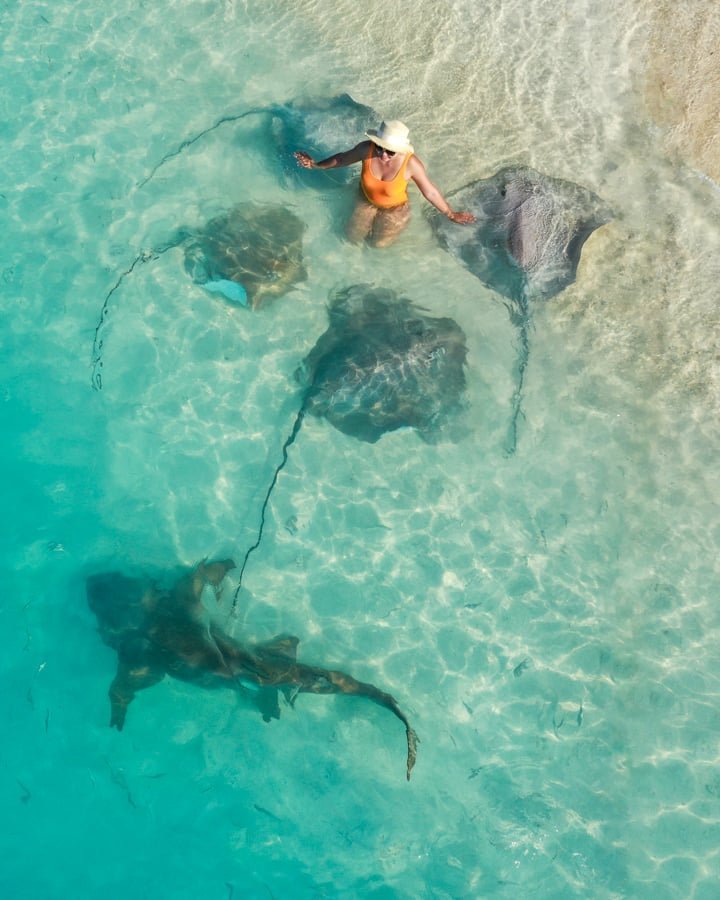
(415, 165)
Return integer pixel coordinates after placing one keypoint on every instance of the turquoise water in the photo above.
(548, 621)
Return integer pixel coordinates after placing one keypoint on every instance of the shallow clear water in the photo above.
(549, 621)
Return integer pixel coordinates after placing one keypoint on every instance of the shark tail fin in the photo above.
(334, 682)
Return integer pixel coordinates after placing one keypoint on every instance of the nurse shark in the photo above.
(157, 632)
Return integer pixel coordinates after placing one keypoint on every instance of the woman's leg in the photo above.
(389, 223)
(360, 223)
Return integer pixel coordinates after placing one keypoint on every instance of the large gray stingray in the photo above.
(320, 125)
(381, 365)
(157, 632)
(525, 245)
(250, 254)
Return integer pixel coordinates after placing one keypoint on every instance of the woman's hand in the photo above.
(461, 218)
(304, 159)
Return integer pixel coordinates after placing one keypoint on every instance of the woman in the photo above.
(388, 164)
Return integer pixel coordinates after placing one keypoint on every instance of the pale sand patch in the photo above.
(682, 87)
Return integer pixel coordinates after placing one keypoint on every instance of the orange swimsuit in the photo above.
(384, 194)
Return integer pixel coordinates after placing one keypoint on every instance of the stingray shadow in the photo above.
(525, 245)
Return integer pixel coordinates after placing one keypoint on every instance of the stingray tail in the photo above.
(520, 317)
(333, 682)
(223, 120)
(290, 440)
(143, 257)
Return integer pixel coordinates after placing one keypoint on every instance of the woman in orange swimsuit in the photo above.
(388, 165)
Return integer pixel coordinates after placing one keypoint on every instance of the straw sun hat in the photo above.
(392, 135)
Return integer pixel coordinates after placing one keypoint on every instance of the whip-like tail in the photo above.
(520, 317)
(290, 440)
(223, 120)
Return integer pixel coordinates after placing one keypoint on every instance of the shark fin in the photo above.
(266, 700)
(282, 645)
(290, 692)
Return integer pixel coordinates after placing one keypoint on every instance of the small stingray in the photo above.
(381, 365)
(320, 125)
(525, 245)
(157, 632)
(250, 254)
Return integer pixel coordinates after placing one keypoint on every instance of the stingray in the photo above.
(250, 254)
(381, 365)
(525, 244)
(157, 632)
(319, 125)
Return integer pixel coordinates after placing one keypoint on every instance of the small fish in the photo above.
(26, 796)
(520, 668)
(118, 778)
(291, 525)
(266, 812)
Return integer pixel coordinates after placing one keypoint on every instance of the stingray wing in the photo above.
(529, 230)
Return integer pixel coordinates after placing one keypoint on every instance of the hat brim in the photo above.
(388, 145)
